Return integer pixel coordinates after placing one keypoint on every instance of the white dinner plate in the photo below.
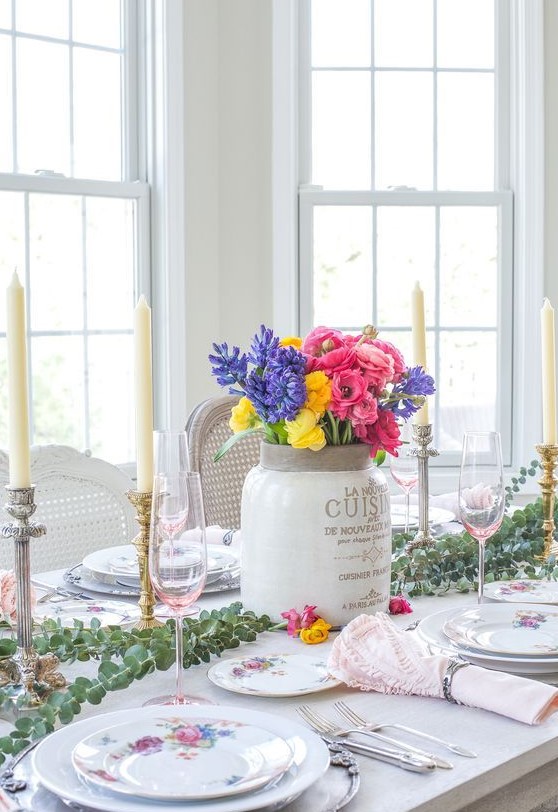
(273, 675)
(109, 613)
(436, 516)
(429, 630)
(118, 562)
(523, 590)
(506, 628)
(53, 766)
(171, 758)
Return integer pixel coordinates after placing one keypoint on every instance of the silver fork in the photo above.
(355, 719)
(402, 757)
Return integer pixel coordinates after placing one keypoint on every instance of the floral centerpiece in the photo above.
(315, 514)
(330, 388)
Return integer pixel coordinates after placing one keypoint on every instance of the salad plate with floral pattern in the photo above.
(273, 675)
(524, 590)
(172, 758)
(513, 629)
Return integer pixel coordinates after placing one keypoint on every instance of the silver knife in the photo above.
(407, 761)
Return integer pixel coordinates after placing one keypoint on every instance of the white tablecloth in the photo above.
(514, 769)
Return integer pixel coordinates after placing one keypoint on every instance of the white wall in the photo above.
(228, 178)
(228, 62)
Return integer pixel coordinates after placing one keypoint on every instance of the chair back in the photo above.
(82, 502)
(207, 429)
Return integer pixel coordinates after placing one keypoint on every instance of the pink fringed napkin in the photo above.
(373, 654)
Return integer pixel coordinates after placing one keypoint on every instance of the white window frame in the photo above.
(523, 174)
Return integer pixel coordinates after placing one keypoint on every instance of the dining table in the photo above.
(514, 768)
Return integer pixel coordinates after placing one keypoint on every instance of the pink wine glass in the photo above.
(481, 490)
(404, 469)
(177, 558)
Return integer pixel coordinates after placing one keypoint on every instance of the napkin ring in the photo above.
(453, 666)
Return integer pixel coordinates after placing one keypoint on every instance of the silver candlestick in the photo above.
(422, 437)
(31, 675)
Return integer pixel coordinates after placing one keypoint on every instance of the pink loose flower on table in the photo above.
(310, 627)
(8, 595)
(398, 605)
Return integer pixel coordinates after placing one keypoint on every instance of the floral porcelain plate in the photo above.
(52, 764)
(506, 629)
(172, 758)
(523, 590)
(273, 675)
(109, 613)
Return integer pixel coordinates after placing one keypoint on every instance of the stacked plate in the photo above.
(520, 638)
(181, 759)
(114, 570)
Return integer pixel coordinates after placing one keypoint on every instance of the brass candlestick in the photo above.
(35, 676)
(422, 437)
(142, 502)
(548, 453)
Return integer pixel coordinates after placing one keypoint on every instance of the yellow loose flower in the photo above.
(318, 387)
(243, 416)
(316, 633)
(303, 431)
(291, 341)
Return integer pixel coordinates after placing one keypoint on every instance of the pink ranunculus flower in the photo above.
(398, 605)
(307, 617)
(377, 367)
(321, 340)
(399, 365)
(365, 412)
(293, 622)
(335, 360)
(347, 389)
(384, 433)
(189, 734)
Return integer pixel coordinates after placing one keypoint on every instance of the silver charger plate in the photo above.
(78, 579)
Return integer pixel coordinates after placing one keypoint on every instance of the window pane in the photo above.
(57, 390)
(468, 266)
(97, 22)
(466, 385)
(403, 262)
(343, 266)
(110, 270)
(341, 137)
(403, 130)
(341, 33)
(97, 99)
(403, 33)
(46, 17)
(56, 264)
(42, 106)
(111, 390)
(465, 131)
(465, 33)
(6, 143)
(5, 13)
(12, 245)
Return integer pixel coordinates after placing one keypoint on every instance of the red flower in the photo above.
(384, 433)
(399, 605)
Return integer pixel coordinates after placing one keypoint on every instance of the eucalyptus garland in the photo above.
(124, 655)
(515, 551)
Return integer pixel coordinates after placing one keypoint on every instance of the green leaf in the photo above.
(234, 438)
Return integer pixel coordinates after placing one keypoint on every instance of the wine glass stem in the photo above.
(179, 657)
(407, 509)
(481, 572)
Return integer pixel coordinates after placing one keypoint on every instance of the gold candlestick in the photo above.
(142, 502)
(548, 453)
(33, 676)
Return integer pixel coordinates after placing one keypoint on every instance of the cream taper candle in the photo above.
(548, 356)
(18, 396)
(419, 343)
(144, 396)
